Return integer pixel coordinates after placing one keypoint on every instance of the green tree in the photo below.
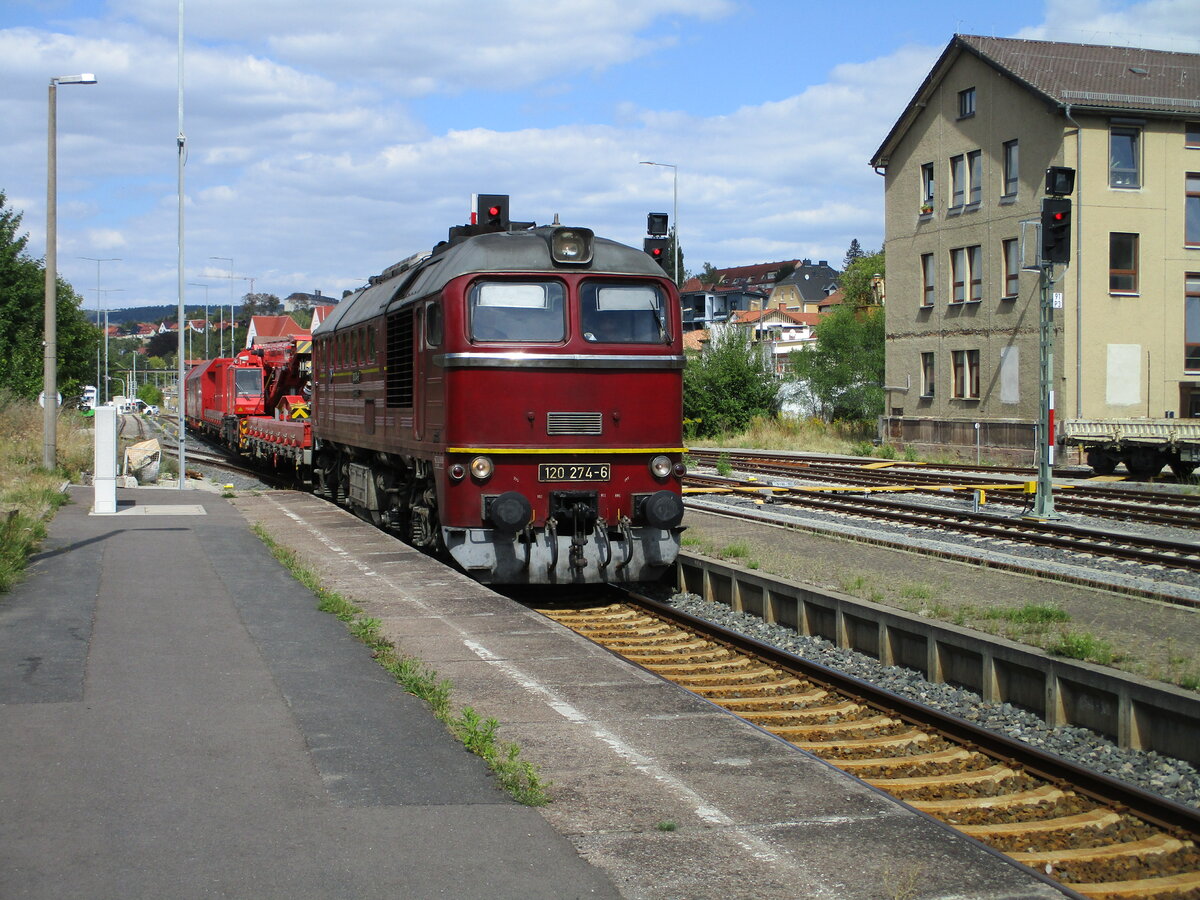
(855, 251)
(709, 276)
(844, 371)
(675, 255)
(22, 319)
(726, 385)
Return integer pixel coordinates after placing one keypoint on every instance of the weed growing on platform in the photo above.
(1029, 614)
(667, 825)
(518, 777)
(1081, 645)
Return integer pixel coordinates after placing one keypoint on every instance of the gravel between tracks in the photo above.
(1148, 637)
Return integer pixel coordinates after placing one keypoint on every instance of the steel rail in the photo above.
(1155, 551)
(1151, 807)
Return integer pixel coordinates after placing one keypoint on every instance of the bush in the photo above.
(727, 385)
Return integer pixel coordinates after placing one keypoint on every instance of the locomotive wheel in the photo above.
(1103, 462)
(1182, 469)
(1144, 462)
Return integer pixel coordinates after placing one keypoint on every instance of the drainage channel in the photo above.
(1097, 836)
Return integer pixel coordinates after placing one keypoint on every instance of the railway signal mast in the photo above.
(1055, 247)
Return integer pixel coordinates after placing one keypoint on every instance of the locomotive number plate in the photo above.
(574, 471)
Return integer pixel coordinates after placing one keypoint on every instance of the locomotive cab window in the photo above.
(517, 311)
(623, 314)
(248, 382)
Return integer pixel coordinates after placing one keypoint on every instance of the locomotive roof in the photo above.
(511, 251)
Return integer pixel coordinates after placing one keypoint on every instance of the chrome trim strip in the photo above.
(556, 361)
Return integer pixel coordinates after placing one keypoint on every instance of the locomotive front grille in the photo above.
(574, 423)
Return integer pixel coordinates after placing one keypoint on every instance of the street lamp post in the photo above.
(674, 210)
(50, 355)
(232, 330)
(206, 322)
(107, 291)
(98, 325)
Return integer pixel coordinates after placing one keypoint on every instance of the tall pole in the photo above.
(105, 294)
(206, 322)
(50, 351)
(674, 210)
(232, 328)
(98, 325)
(181, 148)
(1043, 506)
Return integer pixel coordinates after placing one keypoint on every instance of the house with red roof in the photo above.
(265, 329)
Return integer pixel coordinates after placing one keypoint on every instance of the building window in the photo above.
(1122, 263)
(1124, 148)
(1012, 173)
(966, 374)
(975, 260)
(1191, 228)
(1191, 323)
(957, 181)
(927, 188)
(927, 277)
(958, 275)
(975, 176)
(927, 373)
(1011, 251)
(1192, 138)
(966, 103)
(966, 274)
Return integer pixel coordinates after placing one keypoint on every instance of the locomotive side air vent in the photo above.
(574, 423)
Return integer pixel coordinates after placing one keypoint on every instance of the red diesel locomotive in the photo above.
(513, 399)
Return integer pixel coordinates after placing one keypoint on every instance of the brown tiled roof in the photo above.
(695, 340)
(741, 277)
(1087, 75)
(1082, 76)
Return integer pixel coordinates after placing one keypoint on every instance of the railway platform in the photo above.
(178, 720)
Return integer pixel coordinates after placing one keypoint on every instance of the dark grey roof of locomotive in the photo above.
(516, 251)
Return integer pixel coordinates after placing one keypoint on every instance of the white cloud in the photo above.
(310, 161)
(1155, 24)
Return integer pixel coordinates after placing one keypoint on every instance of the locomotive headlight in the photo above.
(571, 246)
(660, 467)
(481, 468)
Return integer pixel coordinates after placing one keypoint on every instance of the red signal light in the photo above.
(493, 210)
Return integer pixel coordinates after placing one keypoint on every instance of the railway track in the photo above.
(1130, 505)
(1097, 836)
(1184, 555)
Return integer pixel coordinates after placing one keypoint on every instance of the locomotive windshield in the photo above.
(623, 313)
(248, 382)
(518, 311)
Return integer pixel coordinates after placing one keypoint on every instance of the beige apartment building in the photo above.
(964, 169)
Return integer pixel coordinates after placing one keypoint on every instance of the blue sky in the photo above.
(324, 146)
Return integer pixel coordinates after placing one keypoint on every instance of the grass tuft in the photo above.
(519, 777)
(1084, 646)
(29, 494)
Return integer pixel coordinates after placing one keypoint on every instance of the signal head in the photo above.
(657, 248)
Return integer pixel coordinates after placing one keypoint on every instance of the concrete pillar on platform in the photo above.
(104, 481)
